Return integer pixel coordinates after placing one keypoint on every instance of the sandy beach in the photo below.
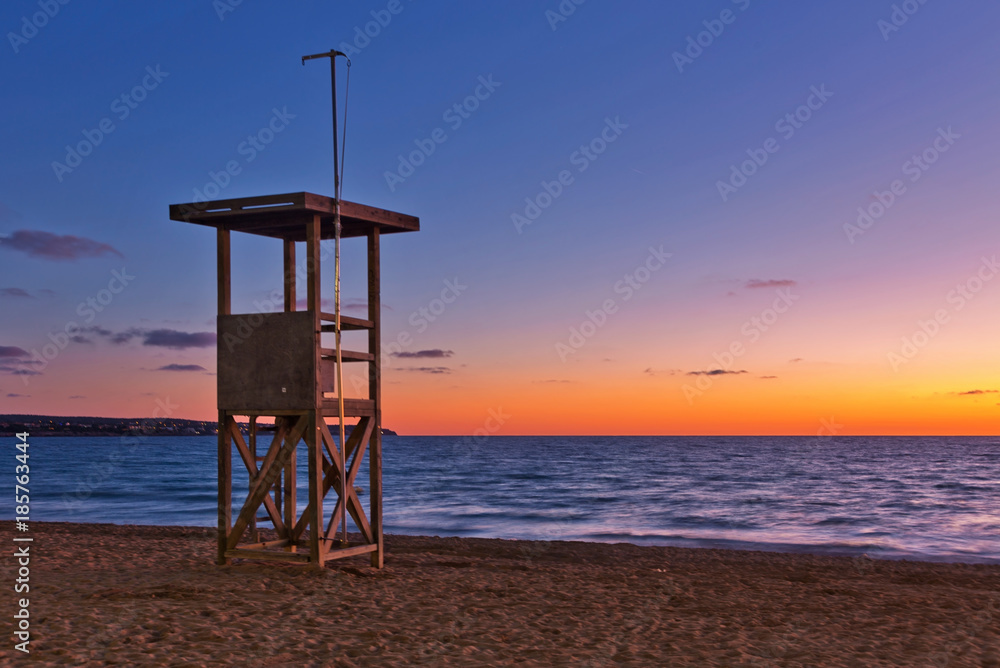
(142, 595)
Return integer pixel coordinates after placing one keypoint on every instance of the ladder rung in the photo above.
(346, 322)
(346, 355)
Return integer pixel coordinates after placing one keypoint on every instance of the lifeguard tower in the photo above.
(274, 365)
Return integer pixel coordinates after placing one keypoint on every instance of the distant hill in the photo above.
(60, 425)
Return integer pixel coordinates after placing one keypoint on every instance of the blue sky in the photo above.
(557, 84)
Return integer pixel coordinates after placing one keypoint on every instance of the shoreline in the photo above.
(153, 594)
(721, 544)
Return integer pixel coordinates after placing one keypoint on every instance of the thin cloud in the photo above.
(182, 367)
(48, 246)
(356, 305)
(162, 338)
(77, 396)
(434, 353)
(796, 359)
(361, 305)
(14, 395)
(553, 382)
(14, 359)
(767, 377)
(171, 338)
(754, 283)
(94, 329)
(974, 392)
(79, 336)
(16, 292)
(427, 369)
(325, 304)
(650, 371)
(716, 372)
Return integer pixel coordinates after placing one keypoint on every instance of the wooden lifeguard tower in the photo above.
(275, 365)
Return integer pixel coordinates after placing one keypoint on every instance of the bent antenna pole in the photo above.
(337, 167)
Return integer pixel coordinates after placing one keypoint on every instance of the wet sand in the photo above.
(141, 595)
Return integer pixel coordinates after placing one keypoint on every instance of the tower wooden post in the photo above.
(274, 364)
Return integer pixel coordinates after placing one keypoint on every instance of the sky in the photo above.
(718, 217)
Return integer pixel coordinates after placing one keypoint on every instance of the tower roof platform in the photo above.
(286, 216)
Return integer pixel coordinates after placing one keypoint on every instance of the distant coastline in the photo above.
(62, 425)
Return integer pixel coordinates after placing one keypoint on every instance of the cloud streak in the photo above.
(427, 369)
(716, 372)
(182, 367)
(13, 360)
(48, 246)
(755, 283)
(176, 340)
(159, 338)
(434, 353)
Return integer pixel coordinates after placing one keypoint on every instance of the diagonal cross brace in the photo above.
(271, 468)
(353, 503)
(332, 472)
(251, 464)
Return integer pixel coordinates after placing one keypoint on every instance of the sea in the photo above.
(925, 498)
